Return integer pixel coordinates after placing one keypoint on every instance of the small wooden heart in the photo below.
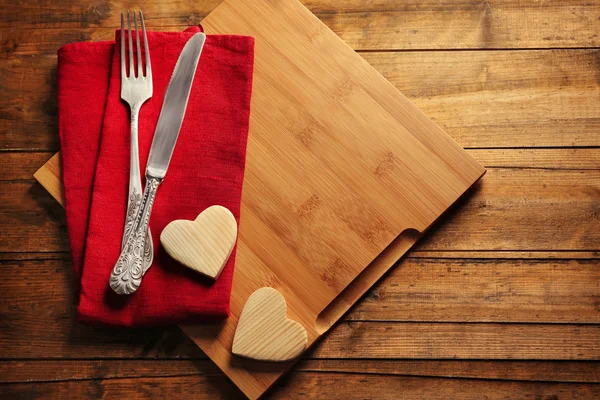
(264, 332)
(204, 244)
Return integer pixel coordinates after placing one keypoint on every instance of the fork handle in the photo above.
(134, 198)
(127, 274)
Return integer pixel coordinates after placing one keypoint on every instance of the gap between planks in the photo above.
(38, 371)
(348, 386)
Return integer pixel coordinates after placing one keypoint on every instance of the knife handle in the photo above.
(126, 276)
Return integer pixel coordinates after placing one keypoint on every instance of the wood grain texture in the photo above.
(501, 255)
(28, 102)
(39, 319)
(461, 341)
(204, 244)
(580, 159)
(305, 385)
(38, 256)
(502, 99)
(31, 220)
(30, 371)
(448, 24)
(264, 332)
(524, 203)
(482, 290)
(535, 209)
(491, 99)
(21, 166)
(364, 25)
(345, 133)
(545, 371)
(481, 98)
(47, 176)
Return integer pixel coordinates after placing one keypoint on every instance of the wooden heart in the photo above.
(264, 332)
(204, 244)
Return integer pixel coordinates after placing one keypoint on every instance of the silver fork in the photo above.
(135, 90)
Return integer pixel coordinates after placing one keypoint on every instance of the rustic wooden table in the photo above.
(500, 300)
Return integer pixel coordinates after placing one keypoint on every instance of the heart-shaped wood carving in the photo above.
(204, 244)
(264, 332)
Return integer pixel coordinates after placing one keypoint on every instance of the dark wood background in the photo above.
(500, 300)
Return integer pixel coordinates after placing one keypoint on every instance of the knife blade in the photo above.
(126, 276)
(174, 106)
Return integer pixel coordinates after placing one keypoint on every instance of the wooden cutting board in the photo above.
(343, 175)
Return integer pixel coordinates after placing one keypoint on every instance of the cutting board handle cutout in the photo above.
(367, 278)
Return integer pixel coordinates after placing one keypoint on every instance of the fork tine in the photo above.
(137, 44)
(148, 66)
(131, 64)
(123, 68)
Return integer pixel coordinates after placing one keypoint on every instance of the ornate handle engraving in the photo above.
(129, 269)
(135, 190)
(135, 200)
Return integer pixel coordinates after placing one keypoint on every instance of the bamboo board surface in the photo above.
(343, 175)
(524, 104)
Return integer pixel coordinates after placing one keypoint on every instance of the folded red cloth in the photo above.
(207, 168)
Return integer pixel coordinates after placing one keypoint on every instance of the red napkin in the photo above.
(207, 168)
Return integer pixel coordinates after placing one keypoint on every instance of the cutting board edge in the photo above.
(48, 176)
(375, 270)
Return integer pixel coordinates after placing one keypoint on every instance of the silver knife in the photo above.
(127, 274)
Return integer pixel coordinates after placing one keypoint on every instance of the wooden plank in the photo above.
(523, 209)
(39, 315)
(485, 291)
(445, 24)
(520, 209)
(460, 341)
(28, 119)
(39, 321)
(565, 159)
(52, 15)
(21, 166)
(23, 256)
(506, 255)
(482, 99)
(211, 386)
(588, 128)
(30, 220)
(502, 99)
(425, 290)
(24, 371)
(43, 26)
(546, 371)
(72, 340)
(29, 371)
(304, 385)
